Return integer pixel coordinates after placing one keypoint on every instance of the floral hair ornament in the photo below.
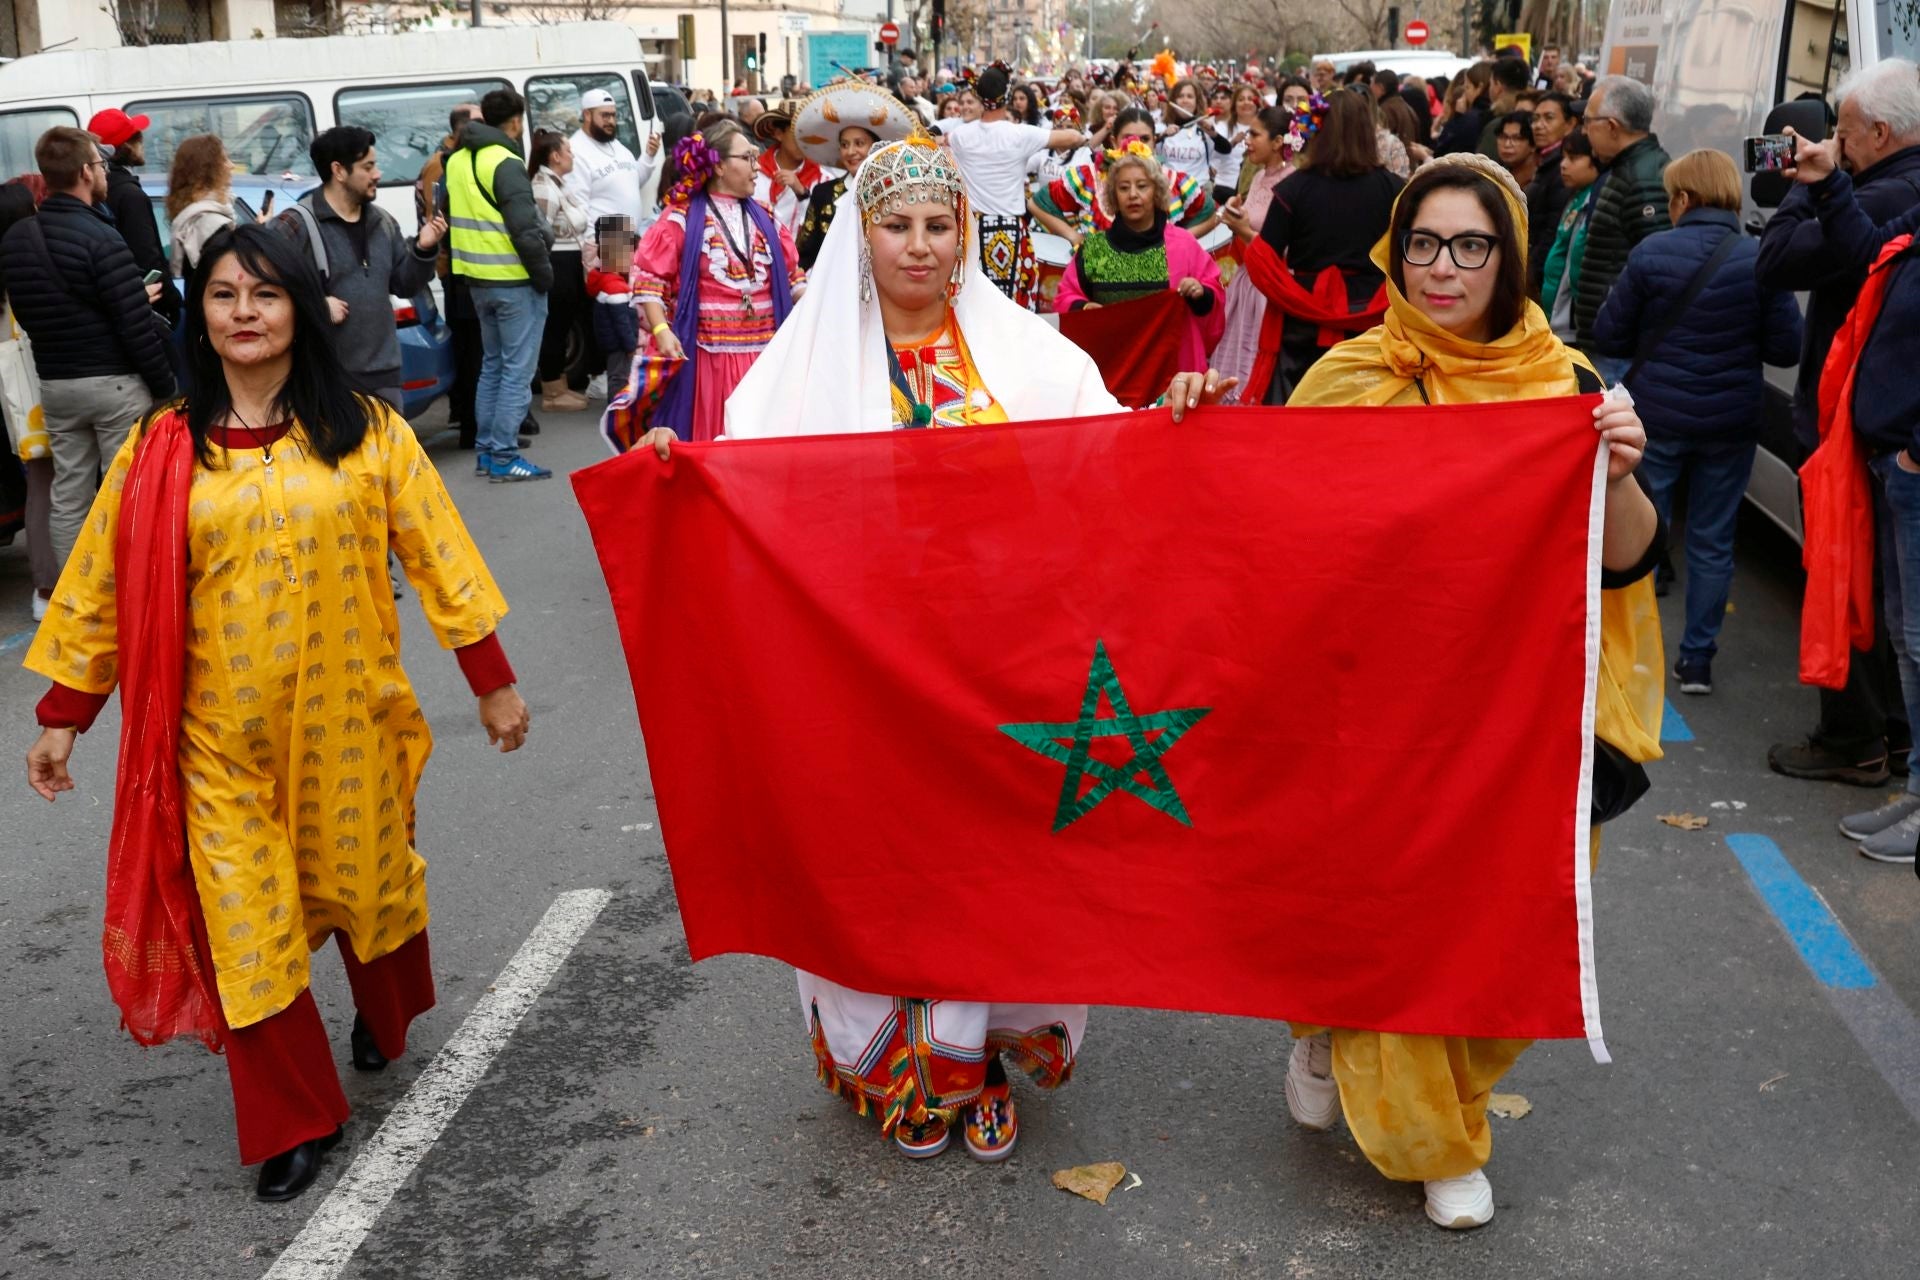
(994, 104)
(695, 160)
(1308, 116)
(1134, 147)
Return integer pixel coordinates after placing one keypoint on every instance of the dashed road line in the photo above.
(1878, 1018)
(336, 1230)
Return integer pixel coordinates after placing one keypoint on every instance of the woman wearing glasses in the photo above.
(714, 277)
(1459, 330)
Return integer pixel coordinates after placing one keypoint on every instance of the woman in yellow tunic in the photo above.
(232, 578)
(1459, 329)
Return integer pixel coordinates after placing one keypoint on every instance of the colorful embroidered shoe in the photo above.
(922, 1140)
(919, 1141)
(992, 1125)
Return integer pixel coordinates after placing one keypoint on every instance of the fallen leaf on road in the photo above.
(1766, 1086)
(1509, 1106)
(1093, 1182)
(1684, 821)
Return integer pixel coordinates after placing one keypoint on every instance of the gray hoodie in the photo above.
(368, 342)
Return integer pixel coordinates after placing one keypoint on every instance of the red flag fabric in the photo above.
(1279, 712)
(1136, 343)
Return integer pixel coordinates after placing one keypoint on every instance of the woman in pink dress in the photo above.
(714, 277)
(1268, 156)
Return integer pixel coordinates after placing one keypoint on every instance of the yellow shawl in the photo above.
(1381, 366)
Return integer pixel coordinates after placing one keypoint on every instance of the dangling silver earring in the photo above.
(866, 271)
(959, 276)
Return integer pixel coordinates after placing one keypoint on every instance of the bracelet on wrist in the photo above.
(660, 328)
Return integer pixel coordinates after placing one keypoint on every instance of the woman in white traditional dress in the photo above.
(899, 329)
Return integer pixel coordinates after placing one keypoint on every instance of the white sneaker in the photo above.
(1460, 1204)
(1312, 1096)
(597, 387)
(40, 604)
(1861, 826)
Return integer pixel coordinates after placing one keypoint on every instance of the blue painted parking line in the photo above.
(18, 640)
(1673, 726)
(1877, 1017)
(1810, 926)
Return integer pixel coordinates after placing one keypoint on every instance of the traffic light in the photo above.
(761, 61)
(752, 61)
(939, 20)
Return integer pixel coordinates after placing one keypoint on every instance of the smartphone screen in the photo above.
(1769, 153)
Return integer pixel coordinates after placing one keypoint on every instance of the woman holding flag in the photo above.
(1458, 329)
(900, 328)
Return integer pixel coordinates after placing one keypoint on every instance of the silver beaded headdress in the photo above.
(916, 171)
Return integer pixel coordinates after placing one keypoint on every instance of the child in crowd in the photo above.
(616, 321)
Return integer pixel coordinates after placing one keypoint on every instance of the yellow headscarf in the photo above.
(1526, 363)
(1379, 367)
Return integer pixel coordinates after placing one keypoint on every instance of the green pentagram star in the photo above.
(1044, 738)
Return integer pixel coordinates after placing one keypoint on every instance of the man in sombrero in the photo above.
(838, 125)
(785, 176)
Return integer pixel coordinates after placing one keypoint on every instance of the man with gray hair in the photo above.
(1863, 732)
(1630, 205)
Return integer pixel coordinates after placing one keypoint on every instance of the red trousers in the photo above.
(286, 1090)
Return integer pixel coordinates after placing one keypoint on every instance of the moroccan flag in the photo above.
(1279, 712)
(1136, 343)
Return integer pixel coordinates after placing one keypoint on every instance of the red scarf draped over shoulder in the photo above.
(1325, 305)
(158, 978)
(1836, 615)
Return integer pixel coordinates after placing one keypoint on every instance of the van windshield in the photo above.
(265, 134)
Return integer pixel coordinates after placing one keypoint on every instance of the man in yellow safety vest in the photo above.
(499, 247)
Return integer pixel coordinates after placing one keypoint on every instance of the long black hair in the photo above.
(317, 394)
(16, 205)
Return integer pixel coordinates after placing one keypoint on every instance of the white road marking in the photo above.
(336, 1230)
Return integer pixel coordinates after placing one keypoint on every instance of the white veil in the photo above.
(825, 372)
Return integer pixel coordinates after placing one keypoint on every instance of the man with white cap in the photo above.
(604, 172)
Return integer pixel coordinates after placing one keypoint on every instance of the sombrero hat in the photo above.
(820, 117)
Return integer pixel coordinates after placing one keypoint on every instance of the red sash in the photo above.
(1836, 615)
(157, 978)
(1327, 306)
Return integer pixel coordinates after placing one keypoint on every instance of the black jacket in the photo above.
(1795, 253)
(1630, 206)
(1547, 201)
(82, 301)
(132, 210)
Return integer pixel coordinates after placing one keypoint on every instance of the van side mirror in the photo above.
(1808, 117)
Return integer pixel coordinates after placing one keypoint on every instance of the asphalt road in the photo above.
(651, 1118)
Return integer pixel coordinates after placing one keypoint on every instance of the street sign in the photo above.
(889, 33)
(793, 24)
(1417, 33)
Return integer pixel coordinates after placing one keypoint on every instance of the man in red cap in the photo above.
(124, 138)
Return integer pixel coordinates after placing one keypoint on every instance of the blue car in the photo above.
(426, 343)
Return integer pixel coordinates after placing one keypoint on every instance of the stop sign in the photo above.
(1417, 33)
(889, 33)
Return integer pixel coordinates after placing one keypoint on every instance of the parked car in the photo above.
(426, 343)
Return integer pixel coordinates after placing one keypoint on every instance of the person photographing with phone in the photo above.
(1863, 733)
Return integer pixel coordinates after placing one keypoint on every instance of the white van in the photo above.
(268, 98)
(1718, 70)
(1425, 63)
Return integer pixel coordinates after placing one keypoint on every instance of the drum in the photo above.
(1054, 254)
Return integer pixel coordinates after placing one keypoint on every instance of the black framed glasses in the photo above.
(1470, 250)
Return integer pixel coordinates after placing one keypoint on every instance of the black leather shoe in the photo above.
(291, 1172)
(366, 1051)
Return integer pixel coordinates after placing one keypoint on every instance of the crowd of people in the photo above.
(867, 258)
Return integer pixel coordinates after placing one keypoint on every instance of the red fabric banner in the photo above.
(1136, 344)
(1276, 712)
